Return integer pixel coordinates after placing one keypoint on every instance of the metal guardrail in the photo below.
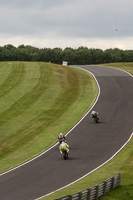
(96, 191)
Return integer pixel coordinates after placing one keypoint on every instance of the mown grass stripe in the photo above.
(30, 79)
(13, 79)
(28, 99)
(4, 73)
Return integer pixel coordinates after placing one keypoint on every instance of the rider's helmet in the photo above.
(61, 135)
(93, 112)
(63, 144)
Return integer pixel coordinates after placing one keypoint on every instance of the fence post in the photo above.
(80, 195)
(70, 197)
(119, 179)
(97, 190)
(89, 194)
(105, 186)
(112, 185)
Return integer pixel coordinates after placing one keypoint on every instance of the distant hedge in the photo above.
(79, 56)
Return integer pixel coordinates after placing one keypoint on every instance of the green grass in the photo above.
(124, 66)
(37, 102)
(122, 163)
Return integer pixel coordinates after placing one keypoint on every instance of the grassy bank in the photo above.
(124, 66)
(122, 163)
(37, 102)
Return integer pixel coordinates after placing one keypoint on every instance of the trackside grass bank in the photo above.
(122, 163)
(37, 102)
(124, 66)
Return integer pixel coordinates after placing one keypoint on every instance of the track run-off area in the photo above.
(91, 144)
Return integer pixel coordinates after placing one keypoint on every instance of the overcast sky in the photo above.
(67, 23)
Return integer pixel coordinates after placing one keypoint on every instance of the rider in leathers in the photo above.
(64, 146)
(94, 114)
(61, 138)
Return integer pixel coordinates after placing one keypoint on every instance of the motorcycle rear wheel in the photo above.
(65, 155)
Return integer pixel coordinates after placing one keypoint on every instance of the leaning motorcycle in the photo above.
(96, 119)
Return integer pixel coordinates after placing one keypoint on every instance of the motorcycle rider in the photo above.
(94, 114)
(61, 138)
(64, 146)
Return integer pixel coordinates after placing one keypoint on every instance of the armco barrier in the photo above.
(96, 191)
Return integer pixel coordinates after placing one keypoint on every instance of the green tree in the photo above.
(56, 55)
(69, 55)
(97, 56)
(82, 56)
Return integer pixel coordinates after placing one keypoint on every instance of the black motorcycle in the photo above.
(96, 119)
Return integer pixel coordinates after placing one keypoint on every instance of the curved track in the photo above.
(91, 144)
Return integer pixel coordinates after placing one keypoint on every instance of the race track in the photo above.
(91, 144)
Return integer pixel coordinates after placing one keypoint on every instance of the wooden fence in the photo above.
(96, 191)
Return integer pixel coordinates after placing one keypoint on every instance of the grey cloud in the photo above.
(22, 4)
(67, 18)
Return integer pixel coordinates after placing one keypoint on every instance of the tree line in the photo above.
(79, 56)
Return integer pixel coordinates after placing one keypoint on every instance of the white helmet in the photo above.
(63, 144)
(93, 112)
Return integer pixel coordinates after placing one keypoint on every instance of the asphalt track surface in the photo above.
(90, 144)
